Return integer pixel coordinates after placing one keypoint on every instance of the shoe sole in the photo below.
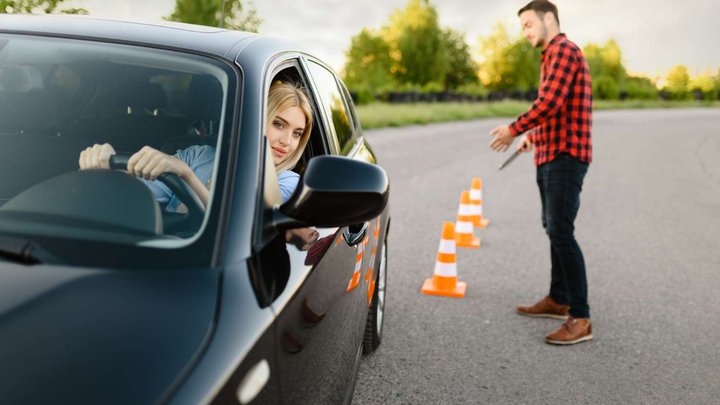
(569, 342)
(552, 316)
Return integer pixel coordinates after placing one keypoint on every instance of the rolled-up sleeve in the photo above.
(288, 182)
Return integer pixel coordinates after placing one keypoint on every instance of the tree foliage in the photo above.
(417, 44)
(368, 65)
(462, 70)
(640, 88)
(411, 52)
(677, 82)
(605, 88)
(235, 15)
(605, 60)
(368, 62)
(508, 63)
(36, 6)
(707, 84)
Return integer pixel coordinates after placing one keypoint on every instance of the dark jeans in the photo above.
(560, 182)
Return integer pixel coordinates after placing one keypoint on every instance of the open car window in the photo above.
(60, 96)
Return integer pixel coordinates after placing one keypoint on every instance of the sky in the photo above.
(654, 35)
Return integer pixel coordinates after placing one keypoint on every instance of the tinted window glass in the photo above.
(334, 105)
(59, 96)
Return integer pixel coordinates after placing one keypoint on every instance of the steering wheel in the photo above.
(196, 210)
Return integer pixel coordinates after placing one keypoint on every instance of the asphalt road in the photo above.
(649, 226)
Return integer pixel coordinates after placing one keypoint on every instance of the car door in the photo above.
(317, 342)
(345, 134)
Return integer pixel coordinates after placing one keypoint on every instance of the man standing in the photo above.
(560, 118)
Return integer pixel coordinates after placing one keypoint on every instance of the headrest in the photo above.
(20, 79)
(138, 95)
(206, 101)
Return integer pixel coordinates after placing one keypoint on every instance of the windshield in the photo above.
(59, 97)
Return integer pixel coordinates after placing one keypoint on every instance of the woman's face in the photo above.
(284, 133)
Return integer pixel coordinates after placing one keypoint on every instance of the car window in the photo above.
(60, 96)
(335, 108)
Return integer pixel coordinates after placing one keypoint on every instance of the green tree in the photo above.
(605, 63)
(705, 83)
(367, 65)
(462, 70)
(677, 82)
(35, 6)
(417, 44)
(235, 15)
(508, 63)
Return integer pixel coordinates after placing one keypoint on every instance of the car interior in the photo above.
(55, 107)
(53, 111)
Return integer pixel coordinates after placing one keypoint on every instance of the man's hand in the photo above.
(524, 145)
(302, 238)
(502, 138)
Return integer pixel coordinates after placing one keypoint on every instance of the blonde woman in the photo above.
(289, 122)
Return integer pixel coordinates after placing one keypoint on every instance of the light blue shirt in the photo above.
(200, 159)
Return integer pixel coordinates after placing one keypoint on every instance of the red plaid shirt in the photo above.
(562, 113)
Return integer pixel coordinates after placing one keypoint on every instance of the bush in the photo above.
(362, 95)
(640, 88)
(677, 94)
(432, 87)
(605, 88)
(472, 90)
(704, 94)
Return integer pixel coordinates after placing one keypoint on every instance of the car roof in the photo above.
(165, 34)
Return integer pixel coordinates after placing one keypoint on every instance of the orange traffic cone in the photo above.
(464, 225)
(355, 280)
(444, 281)
(476, 202)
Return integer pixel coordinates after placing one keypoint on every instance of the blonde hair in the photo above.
(282, 96)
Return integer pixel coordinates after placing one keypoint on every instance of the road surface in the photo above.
(649, 226)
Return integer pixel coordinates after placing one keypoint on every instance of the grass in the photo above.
(379, 115)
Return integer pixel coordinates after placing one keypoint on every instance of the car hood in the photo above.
(77, 335)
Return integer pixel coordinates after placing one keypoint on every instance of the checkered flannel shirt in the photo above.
(561, 116)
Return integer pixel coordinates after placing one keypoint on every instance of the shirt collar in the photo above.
(557, 38)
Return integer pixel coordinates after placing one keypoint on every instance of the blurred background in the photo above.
(642, 53)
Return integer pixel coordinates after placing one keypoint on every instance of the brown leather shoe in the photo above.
(545, 308)
(574, 330)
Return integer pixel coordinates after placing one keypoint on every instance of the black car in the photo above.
(106, 296)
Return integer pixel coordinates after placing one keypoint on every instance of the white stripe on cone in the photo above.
(463, 227)
(447, 246)
(445, 269)
(465, 210)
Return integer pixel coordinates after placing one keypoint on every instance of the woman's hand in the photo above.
(149, 163)
(96, 157)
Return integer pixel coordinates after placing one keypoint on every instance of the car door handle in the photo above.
(355, 234)
(253, 382)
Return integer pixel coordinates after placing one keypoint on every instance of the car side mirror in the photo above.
(335, 191)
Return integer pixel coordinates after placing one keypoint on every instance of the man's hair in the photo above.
(541, 7)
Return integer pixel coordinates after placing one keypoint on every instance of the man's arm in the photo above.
(561, 69)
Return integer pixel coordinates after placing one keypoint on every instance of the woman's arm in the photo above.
(149, 163)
